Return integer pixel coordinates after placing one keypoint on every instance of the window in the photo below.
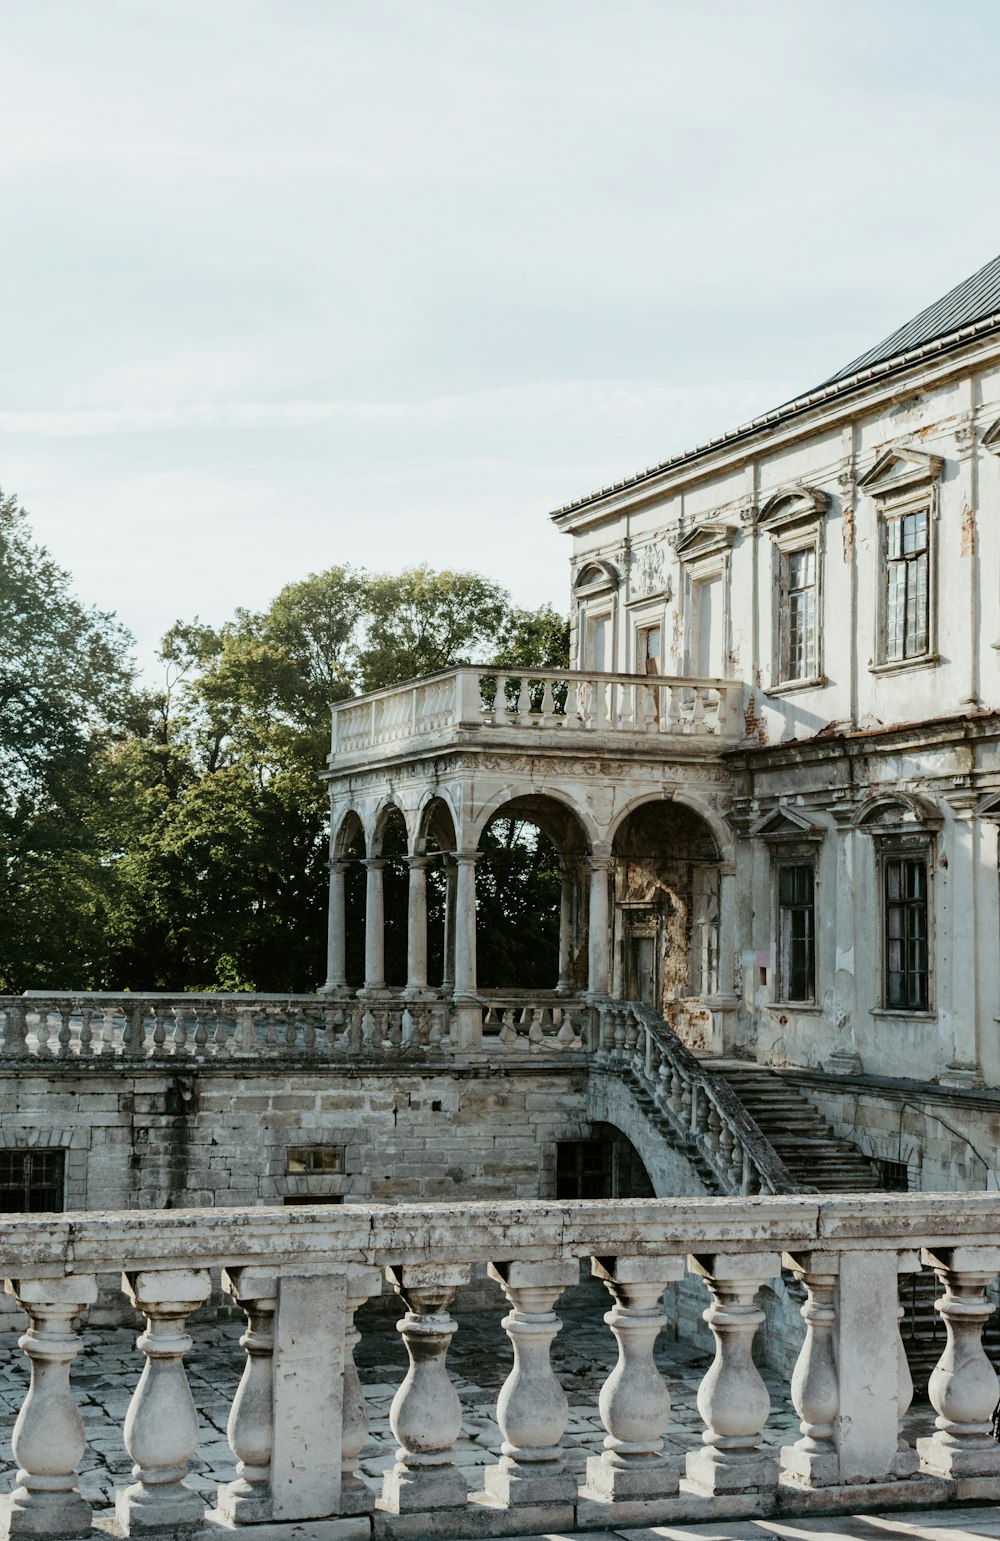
(906, 938)
(706, 637)
(31, 1181)
(907, 609)
(312, 1159)
(648, 649)
(893, 1176)
(797, 623)
(796, 931)
(597, 643)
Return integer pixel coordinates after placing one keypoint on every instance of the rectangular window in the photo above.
(906, 941)
(798, 615)
(597, 643)
(706, 637)
(648, 647)
(31, 1181)
(796, 931)
(315, 1158)
(906, 593)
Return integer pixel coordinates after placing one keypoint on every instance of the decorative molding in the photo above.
(714, 535)
(991, 438)
(788, 823)
(794, 503)
(900, 468)
(902, 813)
(596, 576)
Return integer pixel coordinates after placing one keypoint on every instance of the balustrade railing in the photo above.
(523, 1026)
(87, 1026)
(537, 701)
(699, 1106)
(298, 1422)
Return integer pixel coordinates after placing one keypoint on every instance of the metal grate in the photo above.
(32, 1181)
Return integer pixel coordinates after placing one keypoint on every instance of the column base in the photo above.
(356, 1497)
(418, 1489)
(65, 1516)
(941, 1457)
(245, 1503)
(514, 1485)
(809, 1468)
(658, 1478)
(466, 1023)
(142, 1510)
(731, 1471)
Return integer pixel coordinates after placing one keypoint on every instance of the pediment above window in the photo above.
(596, 577)
(898, 813)
(795, 503)
(714, 535)
(787, 823)
(991, 438)
(901, 469)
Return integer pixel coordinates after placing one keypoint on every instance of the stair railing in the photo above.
(699, 1105)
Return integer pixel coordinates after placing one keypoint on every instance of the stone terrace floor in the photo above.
(107, 1369)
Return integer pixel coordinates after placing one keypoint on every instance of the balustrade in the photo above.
(538, 701)
(298, 1421)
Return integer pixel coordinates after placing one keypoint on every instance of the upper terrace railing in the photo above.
(299, 1418)
(551, 701)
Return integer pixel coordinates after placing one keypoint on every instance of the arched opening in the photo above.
(437, 841)
(349, 847)
(531, 898)
(666, 916)
(604, 1166)
(390, 844)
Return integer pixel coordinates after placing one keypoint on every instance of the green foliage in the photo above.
(176, 839)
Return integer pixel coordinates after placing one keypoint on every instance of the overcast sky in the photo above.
(295, 282)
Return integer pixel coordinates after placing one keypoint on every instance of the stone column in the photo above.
(812, 1461)
(598, 939)
(48, 1439)
(336, 951)
(426, 1415)
(251, 1418)
(963, 1389)
(567, 875)
(356, 1497)
(964, 880)
(635, 1402)
(467, 1019)
(416, 927)
(161, 1426)
(844, 1057)
(733, 1399)
(448, 961)
(532, 1407)
(374, 925)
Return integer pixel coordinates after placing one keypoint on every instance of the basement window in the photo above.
(32, 1181)
(893, 1176)
(306, 1160)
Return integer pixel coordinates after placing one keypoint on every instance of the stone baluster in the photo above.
(572, 713)
(523, 697)
(548, 704)
(251, 1418)
(813, 1461)
(356, 1497)
(108, 1032)
(426, 1415)
(159, 1028)
(599, 706)
(963, 1389)
(671, 709)
(42, 1031)
(201, 1021)
(161, 1426)
(65, 1034)
(86, 1030)
(134, 1032)
(532, 1409)
(179, 1037)
(634, 1401)
(732, 1398)
(713, 1129)
(48, 1439)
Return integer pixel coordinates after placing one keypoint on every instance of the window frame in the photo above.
(793, 857)
(794, 518)
(27, 1155)
(905, 849)
(890, 514)
(904, 479)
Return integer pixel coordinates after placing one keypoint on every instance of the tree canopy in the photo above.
(175, 837)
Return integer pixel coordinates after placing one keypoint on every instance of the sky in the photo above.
(290, 283)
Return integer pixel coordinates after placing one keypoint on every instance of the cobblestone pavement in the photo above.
(106, 1371)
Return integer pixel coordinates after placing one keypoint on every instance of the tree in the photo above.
(66, 696)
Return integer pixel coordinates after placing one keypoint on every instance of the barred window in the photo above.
(907, 613)
(31, 1181)
(798, 615)
(796, 931)
(906, 933)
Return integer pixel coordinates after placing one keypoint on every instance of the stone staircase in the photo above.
(801, 1136)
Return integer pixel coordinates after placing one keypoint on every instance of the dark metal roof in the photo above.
(971, 309)
(971, 300)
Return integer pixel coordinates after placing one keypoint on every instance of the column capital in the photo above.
(600, 856)
(375, 863)
(337, 864)
(470, 857)
(419, 862)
